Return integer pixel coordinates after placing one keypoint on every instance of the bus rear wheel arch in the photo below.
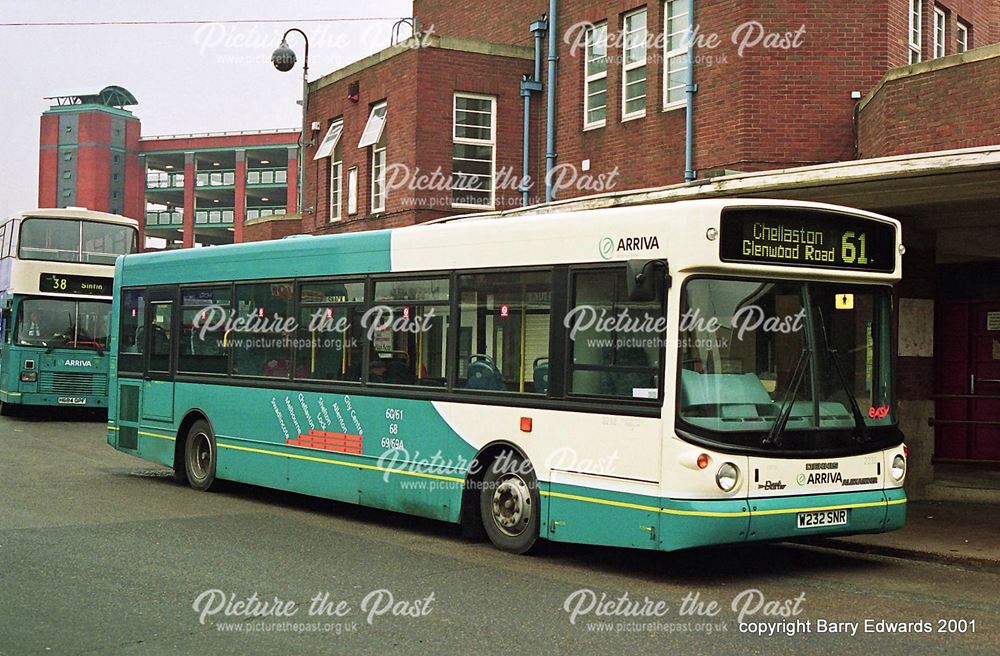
(504, 491)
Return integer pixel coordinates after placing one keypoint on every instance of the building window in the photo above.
(473, 150)
(940, 20)
(331, 140)
(963, 37)
(634, 65)
(915, 30)
(595, 89)
(330, 147)
(352, 190)
(378, 175)
(374, 126)
(336, 164)
(676, 28)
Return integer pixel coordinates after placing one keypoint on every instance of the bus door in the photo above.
(161, 332)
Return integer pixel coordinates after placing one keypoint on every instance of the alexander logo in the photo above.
(772, 485)
(610, 247)
(78, 363)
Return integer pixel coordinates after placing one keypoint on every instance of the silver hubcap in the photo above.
(201, 456)
(512, 504)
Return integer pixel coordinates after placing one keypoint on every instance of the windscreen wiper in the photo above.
(859, 418)
(773, 437)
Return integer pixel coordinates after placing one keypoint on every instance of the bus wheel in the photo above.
(7, 410)
(508, 504)
(199, 455)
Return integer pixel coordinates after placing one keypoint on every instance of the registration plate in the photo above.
(823, 518)
(72, 400)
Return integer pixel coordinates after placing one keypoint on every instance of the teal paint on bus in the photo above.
(353, 253)
(65, 377)
(423, 476)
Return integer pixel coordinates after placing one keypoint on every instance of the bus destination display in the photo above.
(812, 238)
(60, 283)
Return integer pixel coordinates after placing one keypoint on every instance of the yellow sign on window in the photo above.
(844, 302)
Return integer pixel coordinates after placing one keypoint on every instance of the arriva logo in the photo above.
(609, 247)
(78, 363)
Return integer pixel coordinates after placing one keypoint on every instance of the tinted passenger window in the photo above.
(615, 344)
(329, 344)
(503, 338)
(408, 325)
(204, 311)
(260, 347)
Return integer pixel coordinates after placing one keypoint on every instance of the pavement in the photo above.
(937, 531)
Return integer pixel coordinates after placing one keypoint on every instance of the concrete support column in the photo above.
(240, 201)
(142, 210)
(189, 175)
(293, 181)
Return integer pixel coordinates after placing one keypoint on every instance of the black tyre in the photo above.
(508, 504)
(7, 410)
(199, 455)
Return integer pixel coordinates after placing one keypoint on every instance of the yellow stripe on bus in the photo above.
(706, 513)
(162, 437)
(3, 391)
(341, 463)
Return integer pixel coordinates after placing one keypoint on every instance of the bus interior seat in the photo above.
(540, 374)
(484, 374)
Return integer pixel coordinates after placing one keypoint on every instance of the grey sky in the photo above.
(187, 78)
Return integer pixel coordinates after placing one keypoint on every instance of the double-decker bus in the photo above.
(658, 377)
(56, 270)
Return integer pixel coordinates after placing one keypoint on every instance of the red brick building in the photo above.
(184, 190)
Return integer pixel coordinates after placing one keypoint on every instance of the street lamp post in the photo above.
(283, 59)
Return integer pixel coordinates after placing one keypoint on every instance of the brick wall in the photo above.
(764, 108)
(934, 108)
(418, 86)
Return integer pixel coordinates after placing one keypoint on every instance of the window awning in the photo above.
(374, 126)
(329, 142)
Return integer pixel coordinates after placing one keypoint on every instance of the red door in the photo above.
(951, 432)
(967, 420)
(984, 382)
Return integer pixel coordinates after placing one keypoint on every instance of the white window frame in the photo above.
(375, 125)
(330, 140)
(940, 31)
(492, 143)
(336, 185)
(962, 37)
(675, 54)
(589, 79)
(352, 191)
(378, 177)
(627, 67)
(916, 33)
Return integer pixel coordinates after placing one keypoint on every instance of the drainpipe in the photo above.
(690, 89)
(550, 110)
(529, 86)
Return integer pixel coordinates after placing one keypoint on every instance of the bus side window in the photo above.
(261, 349)
(409, 334)
(615, 344)
(504, 331)
(130, 337)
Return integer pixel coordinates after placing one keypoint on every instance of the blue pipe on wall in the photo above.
(550, 110)
(690, 89)
(529, 86)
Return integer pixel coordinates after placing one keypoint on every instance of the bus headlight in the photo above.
(29, 376)
(898, 470)
(727, 477)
